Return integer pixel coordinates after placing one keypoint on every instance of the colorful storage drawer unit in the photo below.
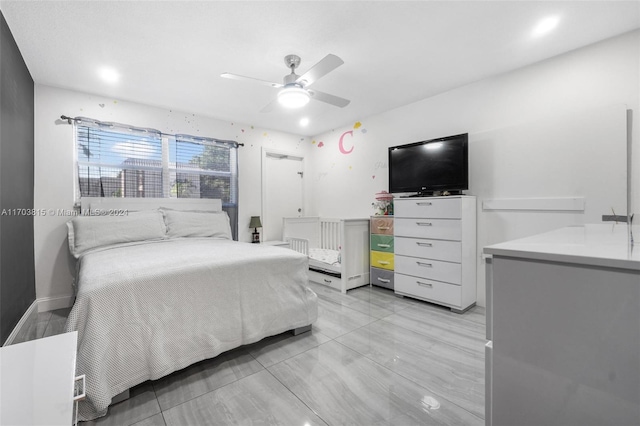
(382, 251)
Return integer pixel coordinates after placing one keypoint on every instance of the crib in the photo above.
(338, 249)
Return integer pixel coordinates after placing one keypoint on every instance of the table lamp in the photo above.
(255, 224)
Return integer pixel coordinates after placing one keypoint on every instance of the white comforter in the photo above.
(145, 310)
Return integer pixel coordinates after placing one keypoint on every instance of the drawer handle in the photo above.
(425, 203)
(382, 280)
(424, 223)
(384, 262)
(426, 265)
(82, 394)
(384, 245)
(384, 228)
(424, 284)
(327, 281)
(424, 244)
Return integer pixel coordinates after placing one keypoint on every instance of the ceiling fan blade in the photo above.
(330, 99)
(270, 106)
(255, 80)
(322, 68)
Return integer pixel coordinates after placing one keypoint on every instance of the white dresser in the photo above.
(563, 324)
(435, 250)
(37, 381)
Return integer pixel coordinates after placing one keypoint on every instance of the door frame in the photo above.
(269, 152)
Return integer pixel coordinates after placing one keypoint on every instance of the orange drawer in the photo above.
(382, 225)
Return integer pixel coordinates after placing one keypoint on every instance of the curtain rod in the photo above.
(72, 120)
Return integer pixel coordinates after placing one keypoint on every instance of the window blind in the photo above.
(114, 163)
(120, 161)
(204, 169)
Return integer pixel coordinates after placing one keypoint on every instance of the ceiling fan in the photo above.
(294, 91)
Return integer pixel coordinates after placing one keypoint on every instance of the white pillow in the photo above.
(89, 232)
(197, 224)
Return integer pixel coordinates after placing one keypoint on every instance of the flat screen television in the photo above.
(431, 166)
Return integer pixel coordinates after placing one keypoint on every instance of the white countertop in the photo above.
(605, 245)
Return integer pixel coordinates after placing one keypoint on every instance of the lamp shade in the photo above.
(255, 222)
(293, 97)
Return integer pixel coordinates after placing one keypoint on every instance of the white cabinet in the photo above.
(435, 250)
(37, 381)
(563, 320)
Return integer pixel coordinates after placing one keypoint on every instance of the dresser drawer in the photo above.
(426, 289)
(382, 278)
(444, 208)
(382, 243)
(450, 251)
(439, 229)
(382, 225)
(325, 279)
(382, 260)
(430, 269)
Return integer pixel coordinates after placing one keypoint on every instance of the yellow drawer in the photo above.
(382, 260)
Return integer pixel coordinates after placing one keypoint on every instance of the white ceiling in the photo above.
(171, 53)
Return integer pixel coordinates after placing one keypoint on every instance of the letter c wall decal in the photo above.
(341, 145)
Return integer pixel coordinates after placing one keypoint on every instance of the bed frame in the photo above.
(349, 236)
(99, 205)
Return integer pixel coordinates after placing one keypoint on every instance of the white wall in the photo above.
(597, 76)
(54, 170)
(341, 183)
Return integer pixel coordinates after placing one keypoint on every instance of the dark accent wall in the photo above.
(17, 269)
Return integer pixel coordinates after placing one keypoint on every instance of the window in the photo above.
(203, 169)
(122, 161)
(113, 163)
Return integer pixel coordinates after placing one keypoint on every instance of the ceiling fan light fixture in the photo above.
(293, 97)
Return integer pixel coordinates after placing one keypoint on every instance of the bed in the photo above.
(338, 249)
(160, 289)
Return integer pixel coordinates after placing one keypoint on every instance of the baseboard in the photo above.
(43, 304)
(31, 310)
(46, 304)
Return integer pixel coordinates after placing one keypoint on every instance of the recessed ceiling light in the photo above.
(304, 121)
(545, 26)
(109, 75)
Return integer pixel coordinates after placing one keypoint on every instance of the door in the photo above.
(282, 191)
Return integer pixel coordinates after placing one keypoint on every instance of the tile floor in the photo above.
(371, 359)
(43, 324)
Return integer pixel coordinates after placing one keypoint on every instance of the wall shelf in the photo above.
(574, 204)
